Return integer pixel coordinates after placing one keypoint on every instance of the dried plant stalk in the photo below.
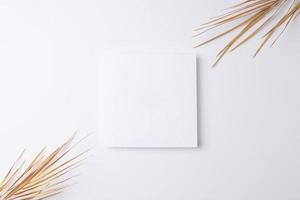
(248, 19)
(45, 176)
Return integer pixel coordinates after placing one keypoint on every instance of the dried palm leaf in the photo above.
(250, 18)
(45, 176)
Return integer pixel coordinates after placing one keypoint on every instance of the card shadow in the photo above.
(198, 88)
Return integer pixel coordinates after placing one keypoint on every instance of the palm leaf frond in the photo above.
(44, 176)
(248, 19)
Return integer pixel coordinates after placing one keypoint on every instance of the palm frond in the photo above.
(248, 19)
(44, 176)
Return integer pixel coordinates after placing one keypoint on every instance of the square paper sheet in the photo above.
(148, 100)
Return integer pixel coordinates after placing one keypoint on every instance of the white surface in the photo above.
(148, 100)
(250, 110)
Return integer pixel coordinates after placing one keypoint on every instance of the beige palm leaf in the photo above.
(247, 19)
(45, 176)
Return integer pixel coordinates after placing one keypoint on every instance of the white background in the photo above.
(249, 109)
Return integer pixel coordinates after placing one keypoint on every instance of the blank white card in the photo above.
(148, 100)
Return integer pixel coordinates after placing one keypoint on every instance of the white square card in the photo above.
(148, 100)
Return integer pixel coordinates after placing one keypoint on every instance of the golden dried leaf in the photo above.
(250, 18)
(44, 177)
